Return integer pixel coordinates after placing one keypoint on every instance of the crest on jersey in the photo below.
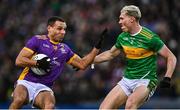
(63, 49)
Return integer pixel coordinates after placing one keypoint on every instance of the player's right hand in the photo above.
(99, 42)
(44, 63)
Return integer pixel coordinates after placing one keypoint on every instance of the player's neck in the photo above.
(135, 29)
(52, 41)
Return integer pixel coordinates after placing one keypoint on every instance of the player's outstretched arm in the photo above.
(82, 63)
(107, 55)
(171, 64)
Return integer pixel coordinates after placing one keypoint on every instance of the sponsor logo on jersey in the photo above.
(45, 45)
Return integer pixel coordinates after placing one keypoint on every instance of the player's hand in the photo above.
(165, 83)
(44, 64)
(99, 42)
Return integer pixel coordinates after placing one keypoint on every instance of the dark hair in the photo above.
(53, 19)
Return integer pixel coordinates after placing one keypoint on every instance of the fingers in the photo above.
(100, 40)
(104, 32)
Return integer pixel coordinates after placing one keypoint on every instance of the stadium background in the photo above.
(20, 19)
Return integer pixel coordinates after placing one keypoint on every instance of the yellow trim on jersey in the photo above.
(137, 53)
(72, 58)
(54, 42)
(23, 74)
(28, 49)
(146, 34)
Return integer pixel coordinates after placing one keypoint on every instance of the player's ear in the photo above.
(132, 19)
(48, 27)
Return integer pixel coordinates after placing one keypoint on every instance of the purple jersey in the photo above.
(59, 56)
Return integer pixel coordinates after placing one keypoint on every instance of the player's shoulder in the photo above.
(122, 35)
(63, 45)
(145, 29)
(147, 33)
(41, 37)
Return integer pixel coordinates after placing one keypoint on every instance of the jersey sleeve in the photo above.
(32, 44)
(156, 43)
(70, 55)
(118, 42)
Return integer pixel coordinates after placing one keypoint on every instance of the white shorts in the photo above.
(33, 89)
(129, 85)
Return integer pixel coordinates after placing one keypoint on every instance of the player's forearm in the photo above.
(25, 62)
(103, 57)
(171, 64)
(88, 59)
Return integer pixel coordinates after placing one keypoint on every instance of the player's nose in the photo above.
(62, 31)
(120, 22)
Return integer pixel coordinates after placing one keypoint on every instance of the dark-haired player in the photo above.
(34, 89)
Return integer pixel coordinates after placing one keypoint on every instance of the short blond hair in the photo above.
(132, 10)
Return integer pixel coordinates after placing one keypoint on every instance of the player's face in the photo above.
(125, 22)
(57, 31)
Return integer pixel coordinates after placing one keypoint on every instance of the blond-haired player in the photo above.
(141, 47)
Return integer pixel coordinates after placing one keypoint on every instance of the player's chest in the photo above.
(134, 42)
(135, 47)
(57, 51)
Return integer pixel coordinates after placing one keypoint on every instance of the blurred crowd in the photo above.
(21, 19)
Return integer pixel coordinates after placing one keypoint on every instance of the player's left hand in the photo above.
(99, 42)
(44, 63)
(165, 83)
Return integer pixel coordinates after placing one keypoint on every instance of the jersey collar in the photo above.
(136, 32)
(53, 42)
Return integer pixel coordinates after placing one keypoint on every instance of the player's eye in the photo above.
(60, 28)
